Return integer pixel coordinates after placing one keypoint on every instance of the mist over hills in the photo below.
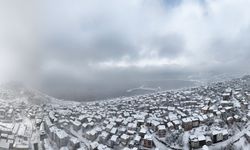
(14, 90)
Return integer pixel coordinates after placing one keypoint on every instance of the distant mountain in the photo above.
(15, 91)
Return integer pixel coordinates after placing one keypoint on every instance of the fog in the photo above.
(94, 49)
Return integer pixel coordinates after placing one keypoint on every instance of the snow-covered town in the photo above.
(213, 116)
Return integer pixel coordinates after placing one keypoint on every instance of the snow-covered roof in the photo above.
(143, 130)
(114, 138)
(148, 137)
(124, 136)
(201, 137)
(186, 120)
(161, 127)
(61, 134)
(137, 138)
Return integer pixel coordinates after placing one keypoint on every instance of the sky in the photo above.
(71, 49)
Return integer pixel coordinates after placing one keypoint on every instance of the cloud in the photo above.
(96, 43)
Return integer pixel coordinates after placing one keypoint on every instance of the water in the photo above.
(107, 90)
(159, 85)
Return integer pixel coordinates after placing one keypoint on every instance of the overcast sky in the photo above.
(75, 47)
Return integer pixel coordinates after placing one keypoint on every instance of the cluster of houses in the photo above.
(15, 131)
(215, 136)
(136, 122)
